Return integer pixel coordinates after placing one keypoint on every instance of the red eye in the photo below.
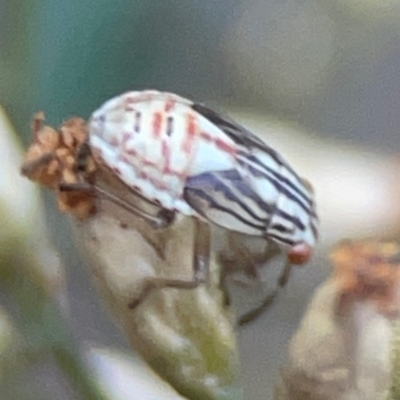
(300, 253)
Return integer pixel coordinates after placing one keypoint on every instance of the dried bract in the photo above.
(58, 157)
(345, 344)
(369, 270)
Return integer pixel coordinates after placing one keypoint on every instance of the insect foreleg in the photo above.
(162, 219)
(201, 256)
(76, 186)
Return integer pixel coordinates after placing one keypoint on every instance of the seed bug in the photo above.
(189, 159)
(182, 157)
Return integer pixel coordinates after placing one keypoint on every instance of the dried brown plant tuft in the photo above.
(369, 269)
(54, 158)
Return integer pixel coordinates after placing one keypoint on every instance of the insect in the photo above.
(188, 159)
(182, 157)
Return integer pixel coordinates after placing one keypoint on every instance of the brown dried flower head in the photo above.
(369, 270)
(53, 159)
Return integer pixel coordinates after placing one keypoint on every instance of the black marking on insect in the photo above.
(170, 125)
(83, 154)
(138, 120)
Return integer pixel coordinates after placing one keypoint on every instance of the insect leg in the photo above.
(77, 186)
(161, 220)
(256, 312)
(201, 254)
(249, 269)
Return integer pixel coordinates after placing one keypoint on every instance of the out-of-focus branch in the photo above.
(32, 275)
(185, 335)
(345, 344)
(125, 377)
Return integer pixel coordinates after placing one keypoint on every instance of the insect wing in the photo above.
(282, 194)
(225, 199)
(236, 132)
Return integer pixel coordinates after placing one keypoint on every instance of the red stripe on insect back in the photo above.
(126, 153)
(156, 183)
(169, 104)
(227, 147)
(139, 97)
(146, 175)
(131, 152)
(125, 137)
(166, 153)
(124, 149)
(191, 133)
(206, 136)
(168, 170)
(148, 163)
(117, 171)
(221, 144)
(114, 141)
(157, 121)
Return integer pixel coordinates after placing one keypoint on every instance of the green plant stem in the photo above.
(40, 322)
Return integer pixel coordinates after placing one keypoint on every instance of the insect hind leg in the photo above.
(268, 300)
(201, 266)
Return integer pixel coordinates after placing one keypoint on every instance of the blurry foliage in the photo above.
(322, 63)
(73, 55)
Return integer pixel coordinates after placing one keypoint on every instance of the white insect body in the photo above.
(154, 142)
(189, 159)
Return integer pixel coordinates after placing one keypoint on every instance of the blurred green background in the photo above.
(330, 66)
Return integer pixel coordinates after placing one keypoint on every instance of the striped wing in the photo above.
(224, 198)
(236, 132)
(263, 196)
